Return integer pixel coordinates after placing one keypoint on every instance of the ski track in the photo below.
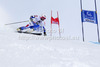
(15, 52)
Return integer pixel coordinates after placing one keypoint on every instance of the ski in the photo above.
(31, 33)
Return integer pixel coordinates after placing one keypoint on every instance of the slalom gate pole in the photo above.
(58, 24)
(97, 21)
(51, 23)
(82, 21)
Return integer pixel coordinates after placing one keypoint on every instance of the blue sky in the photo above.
(69, 14)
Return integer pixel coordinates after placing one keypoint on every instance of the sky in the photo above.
(69, 15)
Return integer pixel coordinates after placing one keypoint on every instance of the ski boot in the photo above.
(19, 30)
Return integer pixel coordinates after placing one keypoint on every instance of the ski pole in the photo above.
(17, 22)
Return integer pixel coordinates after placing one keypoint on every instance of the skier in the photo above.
(35, 23)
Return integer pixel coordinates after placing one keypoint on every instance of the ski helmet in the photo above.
(43, 16)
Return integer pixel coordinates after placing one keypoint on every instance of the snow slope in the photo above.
(23, 50)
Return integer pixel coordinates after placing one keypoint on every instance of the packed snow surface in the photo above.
(25, 50)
